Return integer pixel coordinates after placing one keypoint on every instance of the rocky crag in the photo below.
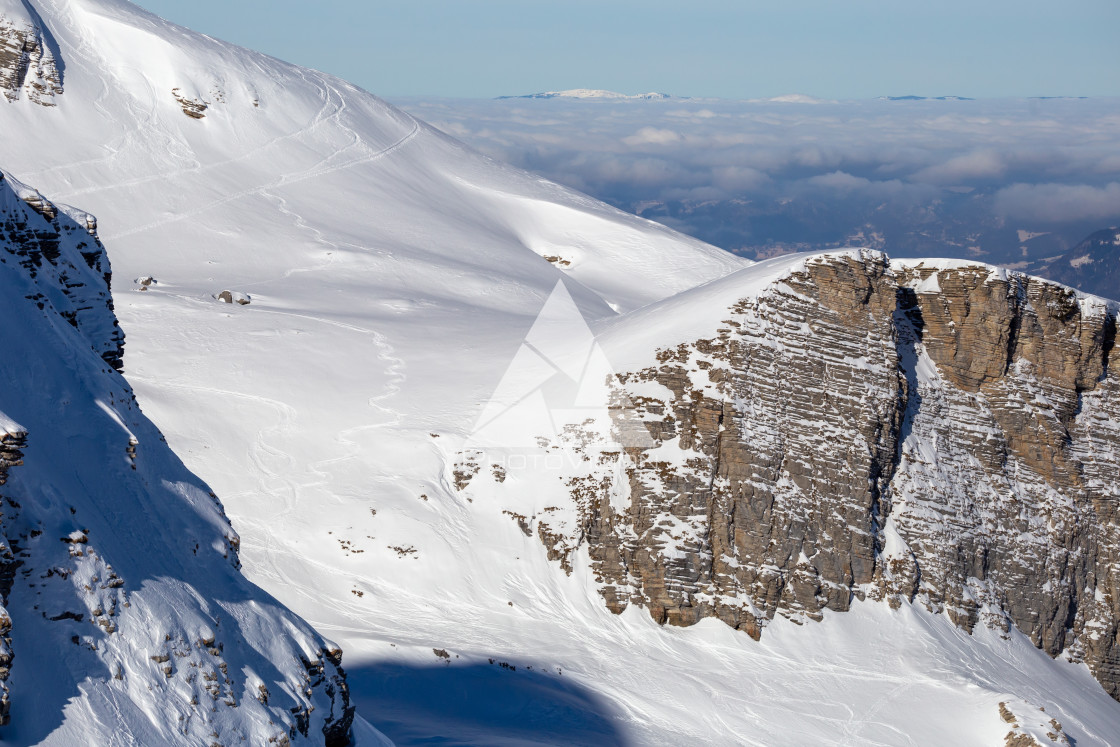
(29, 62)
(945, 434)
(119, 575)
(57, 246)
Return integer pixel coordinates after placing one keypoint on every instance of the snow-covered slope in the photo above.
(392, 277)
(246, 162)
(127, 620)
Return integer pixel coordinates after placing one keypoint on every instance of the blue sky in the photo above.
(721, 48)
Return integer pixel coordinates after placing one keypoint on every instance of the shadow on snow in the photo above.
(478, 704)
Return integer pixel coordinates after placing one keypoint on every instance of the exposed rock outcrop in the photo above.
(1030, 726)
(241, 299)
(13, 439)
(59, 248)
(946, 434)
(192, 107)
(29, 64)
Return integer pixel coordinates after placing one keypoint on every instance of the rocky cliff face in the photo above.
(12, 440)
(943, 434)
(58, 248)
(119, 573)
(28, 55)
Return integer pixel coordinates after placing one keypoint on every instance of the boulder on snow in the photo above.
(234, 297)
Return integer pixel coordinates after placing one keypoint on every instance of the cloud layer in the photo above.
(802, 173)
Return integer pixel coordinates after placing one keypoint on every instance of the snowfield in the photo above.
(392, 275)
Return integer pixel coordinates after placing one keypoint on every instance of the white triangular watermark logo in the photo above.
(559, 383)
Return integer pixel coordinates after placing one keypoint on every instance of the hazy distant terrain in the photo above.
(1093, 265)
(1009, 181)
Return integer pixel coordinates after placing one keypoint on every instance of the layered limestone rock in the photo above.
(762, 492)
(990, 505)
(28, 55)
(944, 434)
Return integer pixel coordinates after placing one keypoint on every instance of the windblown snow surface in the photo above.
(392, 275)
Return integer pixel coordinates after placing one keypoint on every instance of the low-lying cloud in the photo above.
(653, 136)
(954, 176)
(1058, 202)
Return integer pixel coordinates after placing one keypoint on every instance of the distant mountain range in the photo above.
(1092, 266)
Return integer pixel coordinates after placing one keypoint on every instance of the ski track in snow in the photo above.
(331, 113)
(198, 169)
(284, 181)
(275, 466)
